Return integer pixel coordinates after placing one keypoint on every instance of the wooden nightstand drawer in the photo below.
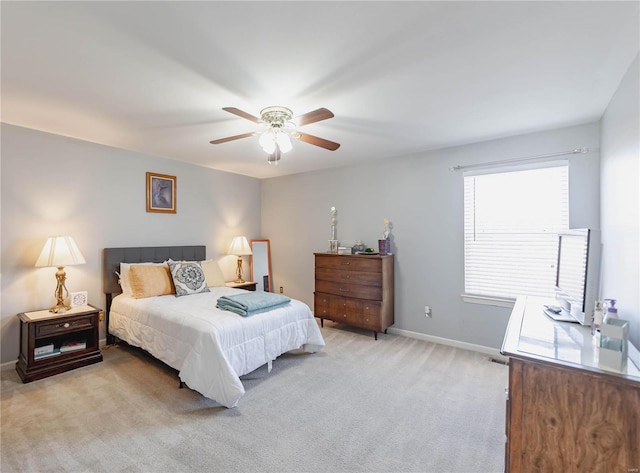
(63, 326)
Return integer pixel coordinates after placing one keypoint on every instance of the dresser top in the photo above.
(355, 256)
(532, 335)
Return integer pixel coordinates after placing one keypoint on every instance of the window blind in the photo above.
(511, 222)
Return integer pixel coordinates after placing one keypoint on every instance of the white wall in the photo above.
(424, 201)
(620, 200)
(56, 185)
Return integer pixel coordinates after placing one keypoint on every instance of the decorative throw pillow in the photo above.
(123, 276)
(150, 280)
(212, 273)
(188, 278)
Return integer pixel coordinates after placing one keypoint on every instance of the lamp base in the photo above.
(239, 271)
(60, 309)
(60, 293)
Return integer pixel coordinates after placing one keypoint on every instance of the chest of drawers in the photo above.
(356, 290)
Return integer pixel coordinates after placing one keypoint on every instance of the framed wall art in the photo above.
(161, 193)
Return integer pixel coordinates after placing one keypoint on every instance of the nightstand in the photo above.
(53, 343)
(248, 285)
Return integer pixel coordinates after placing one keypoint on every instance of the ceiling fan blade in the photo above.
(312, 117)
(231, 138)
(241, 113)
(314, 140)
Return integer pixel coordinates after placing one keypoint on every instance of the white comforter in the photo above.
(212, 348)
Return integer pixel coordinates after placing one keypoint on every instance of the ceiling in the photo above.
(400, 77)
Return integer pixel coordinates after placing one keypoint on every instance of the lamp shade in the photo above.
(240, 246)
(60, 251)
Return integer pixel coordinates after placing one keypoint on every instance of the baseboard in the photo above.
(11, 365)
(446, 341)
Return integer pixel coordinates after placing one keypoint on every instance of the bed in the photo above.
(209, 347)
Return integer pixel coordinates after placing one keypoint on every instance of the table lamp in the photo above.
(60, 251)
(239, 247)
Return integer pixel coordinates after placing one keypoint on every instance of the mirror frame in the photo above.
(268, 244)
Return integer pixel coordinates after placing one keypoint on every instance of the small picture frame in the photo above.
(161, 193)
(78, 299)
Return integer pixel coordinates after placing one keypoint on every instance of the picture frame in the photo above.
(161, 193)
(79, 299)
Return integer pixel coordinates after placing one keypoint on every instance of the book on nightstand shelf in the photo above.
(43, 350)
(73, 346)
(54, 352)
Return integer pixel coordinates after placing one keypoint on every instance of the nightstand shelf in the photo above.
(54, 343)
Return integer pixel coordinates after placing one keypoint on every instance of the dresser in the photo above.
(356, 290)
(563, 412)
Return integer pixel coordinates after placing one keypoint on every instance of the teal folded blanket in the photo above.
(252, 302)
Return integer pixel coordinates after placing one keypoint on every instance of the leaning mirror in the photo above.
(261, 265)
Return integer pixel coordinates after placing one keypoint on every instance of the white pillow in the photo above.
(124, 276)
(212, 273)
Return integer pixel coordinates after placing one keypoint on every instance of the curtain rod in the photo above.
(459, 167)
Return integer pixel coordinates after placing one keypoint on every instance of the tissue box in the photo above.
(344, 250)
(614, 344)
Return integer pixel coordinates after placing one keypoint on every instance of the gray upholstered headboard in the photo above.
(112, 257)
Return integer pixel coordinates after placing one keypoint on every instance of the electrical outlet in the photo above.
(427, 311)
(281, 290)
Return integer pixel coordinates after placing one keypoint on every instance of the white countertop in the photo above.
(531, 334)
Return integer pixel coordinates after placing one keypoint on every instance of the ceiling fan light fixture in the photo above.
(267, 141)
(283, 141)
(276, 129)
(272, 137)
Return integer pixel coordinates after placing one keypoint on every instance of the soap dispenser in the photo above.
(611, 311)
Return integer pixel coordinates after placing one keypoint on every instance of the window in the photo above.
(511, 221)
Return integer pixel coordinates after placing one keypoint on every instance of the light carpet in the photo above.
(392, 405)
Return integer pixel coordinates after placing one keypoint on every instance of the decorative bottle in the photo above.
(597, 318)
(611, 311)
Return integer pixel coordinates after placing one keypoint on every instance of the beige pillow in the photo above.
(212, 273)
(123, 275)
(149, 281)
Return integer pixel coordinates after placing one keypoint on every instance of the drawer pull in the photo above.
(66, 325)
(344, 290)
(346, 276)
(346, 262)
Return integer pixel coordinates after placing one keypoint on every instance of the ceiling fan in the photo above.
(279, 126)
